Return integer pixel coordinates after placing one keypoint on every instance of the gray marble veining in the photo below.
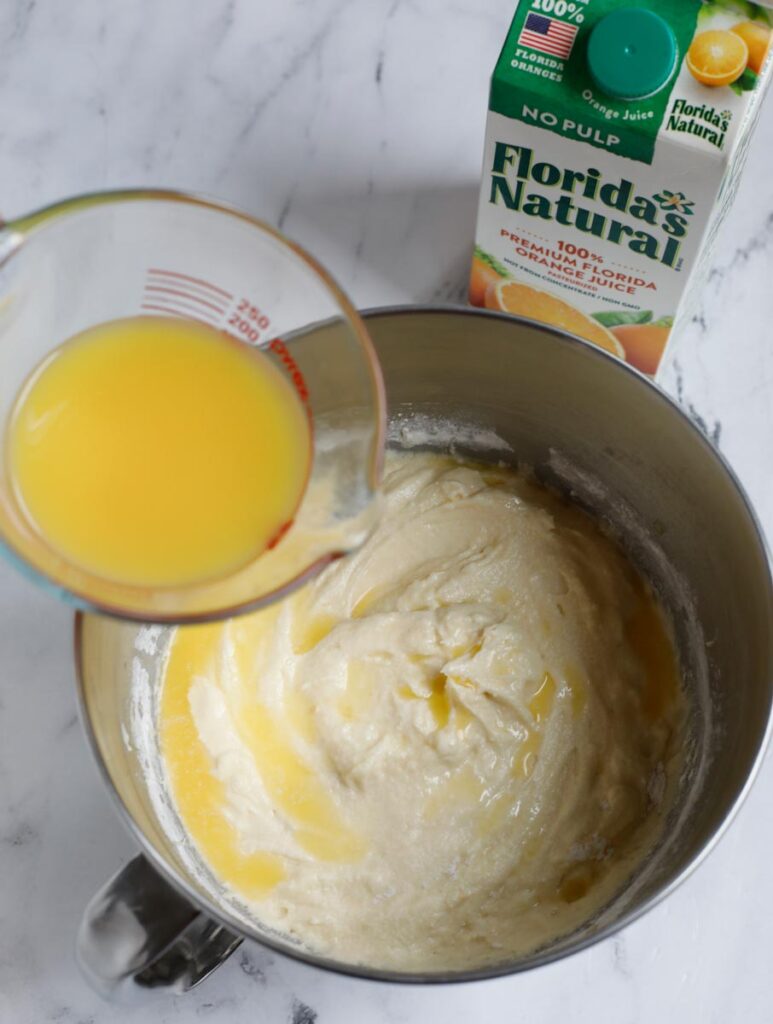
(358, 128)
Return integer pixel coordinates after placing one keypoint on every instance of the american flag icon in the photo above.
(547, 35)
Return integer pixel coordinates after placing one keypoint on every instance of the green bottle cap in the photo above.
(631, 53)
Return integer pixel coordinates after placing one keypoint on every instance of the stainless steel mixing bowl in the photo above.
(593, 428)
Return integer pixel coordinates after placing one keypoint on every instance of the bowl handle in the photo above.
(139, 934)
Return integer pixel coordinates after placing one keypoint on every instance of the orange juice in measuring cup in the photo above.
(192, 414)
(615, 137)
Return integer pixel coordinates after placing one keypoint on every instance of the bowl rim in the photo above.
(538, 958)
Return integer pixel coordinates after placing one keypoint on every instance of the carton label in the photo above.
(652, 226)
(564, 98)
(593, 210)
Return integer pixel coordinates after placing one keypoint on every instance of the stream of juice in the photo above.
(158, 452)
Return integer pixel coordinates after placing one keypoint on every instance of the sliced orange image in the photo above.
(757, 39)
(717, 57)
(485, 271)
(482, 275)
(644, 344)
(522, 300)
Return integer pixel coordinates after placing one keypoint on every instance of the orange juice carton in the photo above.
(614, 142)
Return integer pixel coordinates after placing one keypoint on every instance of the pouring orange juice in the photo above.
(191, 412)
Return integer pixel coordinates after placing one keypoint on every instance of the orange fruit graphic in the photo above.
(757, 39)
(522, 300)
(717, 57)
(643, 344)
(481, 276)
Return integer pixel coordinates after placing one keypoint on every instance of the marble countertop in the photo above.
(356, 127)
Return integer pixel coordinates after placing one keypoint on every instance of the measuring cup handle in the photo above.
(139, 934)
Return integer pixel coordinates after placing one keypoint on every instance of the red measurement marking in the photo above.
(189, 296)
(279, 347)
(185, 314)
(190, 289)
(279, 534)
(193, 280)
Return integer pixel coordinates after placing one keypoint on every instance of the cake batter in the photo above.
(451, 748)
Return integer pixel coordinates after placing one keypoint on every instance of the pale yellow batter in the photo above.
(451, 748)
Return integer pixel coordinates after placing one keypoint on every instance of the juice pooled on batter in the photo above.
(158, 452)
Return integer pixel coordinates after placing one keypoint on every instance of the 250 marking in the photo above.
(248, 320)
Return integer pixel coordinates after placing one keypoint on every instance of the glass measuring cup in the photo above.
(106, 256)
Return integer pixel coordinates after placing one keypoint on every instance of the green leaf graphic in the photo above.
(747, 81)
(488, 259)
(611, 318)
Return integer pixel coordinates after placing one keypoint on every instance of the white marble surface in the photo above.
(356, 125)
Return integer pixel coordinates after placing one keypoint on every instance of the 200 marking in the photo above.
(248, 320)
